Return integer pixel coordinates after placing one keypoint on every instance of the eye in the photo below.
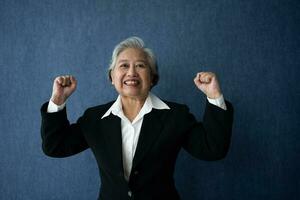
(124, 65)
(140, 65)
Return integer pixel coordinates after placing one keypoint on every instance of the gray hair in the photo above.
(136, 43)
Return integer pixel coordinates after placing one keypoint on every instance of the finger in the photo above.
(196, 81)
(59, 80)
(197, 77)
(67, 80)
(205, 78)
(63, 83)
(73, 80)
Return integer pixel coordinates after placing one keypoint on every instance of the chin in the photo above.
(133, 94)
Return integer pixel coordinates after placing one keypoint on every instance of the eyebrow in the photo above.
(124, 60)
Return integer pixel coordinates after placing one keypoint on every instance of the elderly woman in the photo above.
(136, 139)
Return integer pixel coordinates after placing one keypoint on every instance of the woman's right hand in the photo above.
(63, 87)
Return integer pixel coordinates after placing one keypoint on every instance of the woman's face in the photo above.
(131, 76)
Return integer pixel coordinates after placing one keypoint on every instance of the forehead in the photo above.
(132, 54)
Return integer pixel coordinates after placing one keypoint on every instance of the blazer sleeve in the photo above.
(209, 140)
(59, 137)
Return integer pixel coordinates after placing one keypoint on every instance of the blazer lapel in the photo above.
(113, 139)
(150, 130)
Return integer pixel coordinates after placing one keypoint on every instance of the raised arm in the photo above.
(59, 137)
(210, 139)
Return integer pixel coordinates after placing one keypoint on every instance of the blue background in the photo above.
(253, 46)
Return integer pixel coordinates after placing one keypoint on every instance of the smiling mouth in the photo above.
(132, 82)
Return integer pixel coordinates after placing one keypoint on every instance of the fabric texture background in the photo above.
(253, 46)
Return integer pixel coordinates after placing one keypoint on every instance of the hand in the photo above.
(208, 83)
(63, 87)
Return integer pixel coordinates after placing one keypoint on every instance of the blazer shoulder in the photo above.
(99, 109)
(176, 106)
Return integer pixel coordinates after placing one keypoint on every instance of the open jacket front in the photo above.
(162, 135)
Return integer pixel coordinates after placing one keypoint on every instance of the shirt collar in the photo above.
(151, 102)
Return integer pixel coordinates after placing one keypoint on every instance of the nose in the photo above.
(132, 71)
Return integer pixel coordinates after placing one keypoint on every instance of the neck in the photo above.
(132, 106)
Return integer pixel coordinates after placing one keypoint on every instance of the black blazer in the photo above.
(162, 135)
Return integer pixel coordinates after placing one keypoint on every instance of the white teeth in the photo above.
(131, 82)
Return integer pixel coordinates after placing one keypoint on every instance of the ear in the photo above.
(110, 77)
(154, 80)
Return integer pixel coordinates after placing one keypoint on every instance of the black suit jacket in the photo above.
(163, 134)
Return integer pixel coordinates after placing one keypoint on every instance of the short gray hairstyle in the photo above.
(135, 43)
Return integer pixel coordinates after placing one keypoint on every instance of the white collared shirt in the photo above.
(131, 130)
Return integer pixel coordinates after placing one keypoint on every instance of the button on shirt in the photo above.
(131, 130)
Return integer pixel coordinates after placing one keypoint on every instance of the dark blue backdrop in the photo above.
(252, 45)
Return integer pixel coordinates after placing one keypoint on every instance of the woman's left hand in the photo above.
(208, 83)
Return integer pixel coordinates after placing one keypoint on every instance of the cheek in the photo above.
(148, 79)
(149, 76)
(115, 77)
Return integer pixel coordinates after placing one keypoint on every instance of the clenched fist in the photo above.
(208, 83)
(63, 87)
